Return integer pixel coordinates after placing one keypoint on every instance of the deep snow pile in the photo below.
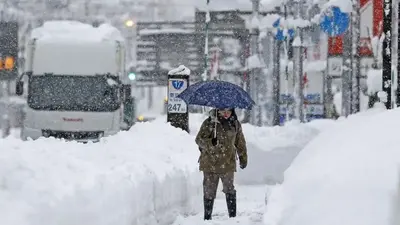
(347, 175)
(146, 174)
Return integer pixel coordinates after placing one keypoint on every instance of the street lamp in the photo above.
(129, 23)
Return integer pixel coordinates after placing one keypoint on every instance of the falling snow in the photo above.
(96, 71)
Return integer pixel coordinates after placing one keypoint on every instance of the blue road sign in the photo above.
(279, 34)
(177, 84)
(334, 22)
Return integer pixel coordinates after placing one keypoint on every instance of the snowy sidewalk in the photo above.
(250, 207)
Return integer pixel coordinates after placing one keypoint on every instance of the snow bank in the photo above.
(140, 176)
(74, 30)
(271, 150)
(337, 101)
(347, 175)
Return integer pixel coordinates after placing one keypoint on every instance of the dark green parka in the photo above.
(231, 143)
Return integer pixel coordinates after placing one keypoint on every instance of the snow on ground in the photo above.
(135, 177)
(347, 175)
(250, 205)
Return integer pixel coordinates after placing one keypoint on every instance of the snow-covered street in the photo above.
(250, 208)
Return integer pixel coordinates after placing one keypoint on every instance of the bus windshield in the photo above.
(72, 93)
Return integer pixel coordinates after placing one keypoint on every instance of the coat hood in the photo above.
(213, 115)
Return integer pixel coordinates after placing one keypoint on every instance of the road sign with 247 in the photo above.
(175, 87)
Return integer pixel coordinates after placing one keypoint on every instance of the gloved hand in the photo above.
(242, 162)
(214, 141)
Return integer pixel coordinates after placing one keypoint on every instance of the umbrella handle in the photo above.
(215, 130)
(215, 124)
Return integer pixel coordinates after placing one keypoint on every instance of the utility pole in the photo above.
(387, 54)
(207, 23)
(346, 74)
(355, 57)
(300, 85)
(256, 118)
(396, 27)
(276, 59)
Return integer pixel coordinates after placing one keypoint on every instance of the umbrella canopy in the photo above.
(217, 94)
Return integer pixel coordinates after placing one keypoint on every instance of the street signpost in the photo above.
(177, 109)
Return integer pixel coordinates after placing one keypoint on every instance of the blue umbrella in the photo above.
(217, 94)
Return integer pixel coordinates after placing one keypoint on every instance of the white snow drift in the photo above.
(147, 174)
(347, 175)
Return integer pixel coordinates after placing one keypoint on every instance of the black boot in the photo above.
(231, 203)
(208, 208)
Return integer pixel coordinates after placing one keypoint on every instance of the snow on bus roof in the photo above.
(75, 31)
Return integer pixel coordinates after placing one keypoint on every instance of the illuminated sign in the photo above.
(7, 63)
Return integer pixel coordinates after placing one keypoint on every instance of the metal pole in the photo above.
(247, 113)
(396, 16)
(286, 47)
(205, 75)
(387, 58)
(300, 93)
(276, 82)
(346, 74)
(355, 57)
(256, 118)
(301, 74)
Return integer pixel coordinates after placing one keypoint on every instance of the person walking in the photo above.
(221, 142)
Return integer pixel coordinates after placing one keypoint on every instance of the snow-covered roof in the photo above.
(65, 30)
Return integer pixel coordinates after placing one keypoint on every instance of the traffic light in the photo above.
(9, 63)
(131, 75)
